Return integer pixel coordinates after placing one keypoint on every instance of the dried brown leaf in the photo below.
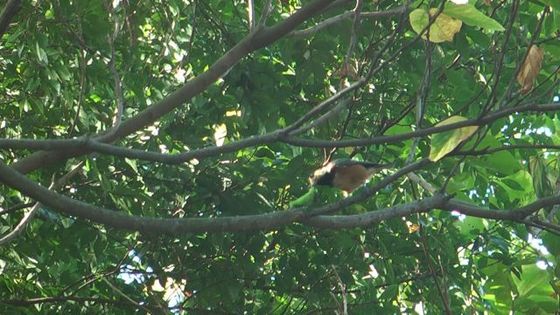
(530, 69)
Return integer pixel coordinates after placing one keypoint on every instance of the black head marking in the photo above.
(325, 179)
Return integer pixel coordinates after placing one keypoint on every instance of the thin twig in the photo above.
(421, 98)
(16, 208)
(117, 119)
(267, 10)
(442, 293)
(20, 227)
(126, 297)
(82, 65)
(534, 36)
(354, 34)
(251, 14)
(342, 287)
(497, 73)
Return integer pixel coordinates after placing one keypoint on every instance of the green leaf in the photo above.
(471, 226)
(513, 184)
(551, 242)
(534, 280)
(445, 142)
(501, 161)
(41, 55)
(305, 200)
(541, 183)
(471, 16)
(390, 293)
(555, 4)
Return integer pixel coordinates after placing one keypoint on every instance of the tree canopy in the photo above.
(154, 156)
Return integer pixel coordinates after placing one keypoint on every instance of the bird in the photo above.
(345, 174)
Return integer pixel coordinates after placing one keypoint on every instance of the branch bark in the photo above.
(10, 10)
(175, 226)
(250, 43)
(87, 144)
(484, 120)
(269, 221)
(347, 16)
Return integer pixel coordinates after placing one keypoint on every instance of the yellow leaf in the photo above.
(447, 141)
(442, 29)
(530, 69)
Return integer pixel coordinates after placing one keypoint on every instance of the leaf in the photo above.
(445, 142)
(41, 55)
(132, 163)
(538, 171)
(513, 184)
(530, 69)
(503, 162)
(460, 182)
(551, 242)
(555, 4)
(534, 280)
(390, 293)
(305, 199)
(471, 227)
(442, 29)
(471, 16)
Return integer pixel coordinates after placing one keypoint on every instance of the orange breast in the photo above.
(350, 177)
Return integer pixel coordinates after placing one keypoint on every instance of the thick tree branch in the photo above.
(121, 220)
(86, 144)
(377, 216)
(172, 226)
(347, 16)
(89, 144)
(252, 42)
(10, 10)
(549, 227)
(511, 215)
(512, 147)
(61, 299)
(438, 201)
(267, 221)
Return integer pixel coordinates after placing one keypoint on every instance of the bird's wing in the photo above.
(366, 164)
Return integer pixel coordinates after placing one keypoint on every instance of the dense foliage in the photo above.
(212, 114)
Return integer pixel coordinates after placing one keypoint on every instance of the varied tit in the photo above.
(346, 174)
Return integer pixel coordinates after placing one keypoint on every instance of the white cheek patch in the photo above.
(323, 170)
